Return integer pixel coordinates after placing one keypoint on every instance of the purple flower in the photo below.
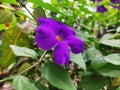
(52, 33)
(115, 1)
(116, 7)
(97, 0)
(101, 9)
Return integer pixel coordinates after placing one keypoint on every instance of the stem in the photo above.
(38, 62)
(31, 14)
(41, 58)
(14, 43)
(22, 4)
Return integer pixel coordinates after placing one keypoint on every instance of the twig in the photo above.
(23, 5)
(38, 62)
(31, 14)
(14, 43)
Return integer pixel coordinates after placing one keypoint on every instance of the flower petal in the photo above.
(61, 53)
(97, 0)
(46, 21)
(59, 28)
(101, 9)
(45, 37)
(76, 44)
(65, 31)
(49, 22)
(116, 7)
(115, 1)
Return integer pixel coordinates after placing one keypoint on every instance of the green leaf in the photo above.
(83, 2)
(82, 35)
(45, 5)
(96, 57)
(78, 59)
(39, 12)
(93, 82)
(20, 13)
(118, 29)
(54, 1)
(10, 1)
(22, 2)
(109, 70)
(118, 88)
(113, 58)
(23, 51)
(5, 79)
(14, 36)
(112, 43)
(85, 10)
(23, 83)
(41, 84)
(5, 16)
(23, 67)
(2, 27)
(57, 76)
(107, 36)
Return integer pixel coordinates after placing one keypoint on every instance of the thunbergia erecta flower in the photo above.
(51, 33)
(116, 7)
(115, 1)
(97, 0)
(101, 9)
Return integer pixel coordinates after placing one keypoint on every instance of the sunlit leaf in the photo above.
(2, 27)
(83, 2)
(54, 1)
(45, 5)
(84, 9)
(10, 1)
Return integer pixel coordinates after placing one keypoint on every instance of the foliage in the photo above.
(26, 67)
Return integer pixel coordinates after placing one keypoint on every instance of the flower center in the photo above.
(59, 38)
